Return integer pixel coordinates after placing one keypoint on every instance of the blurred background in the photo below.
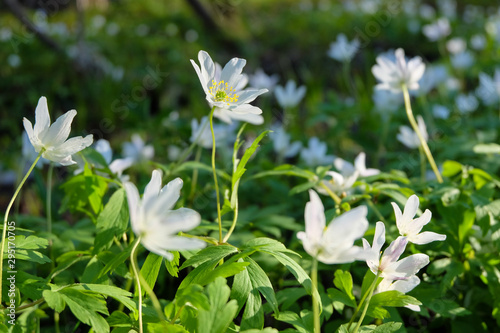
(124, 66)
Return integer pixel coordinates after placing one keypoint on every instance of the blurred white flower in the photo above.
(338, 183)
(282, 145)
(289, 96)
(434, 75)
(116, 166)
(222, 93)
(137, 150)
(409, 138)
(403, 286)
(478, 42)
(191, 36)
(437, 30)
(456, 45)
(440, 111)
(141, 30)
(315, 153)
(466, 103)
(52, 140)
(452, 84)
(410, 228)
(388, 265)
(5, 34)
(347, 168)
(427, 12)
(97, 22)
(394, 74)
(112, 29)
(448, 8)
(260, 80)
(173, 152)
(489, 88)
(386, 100)
(335, 243)
(153, 219)
(343, 50)
(200, 132)
(14, 60)
(462, 60)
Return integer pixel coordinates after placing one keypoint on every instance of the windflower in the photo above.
(137, 150)
(437, 30)
(52, 140)
(393, 74)
(466, 103)
(153, 219)
(261, 80)
(409, 138)
(343, 50)
(410, 228)
(388, 265)
(282, 145)
(116, 166)
(462, 60)
(338, 183)
(289, 96)
(335, 243)
(359, 165)
(315, 153)
(489, 88)
(224, 91)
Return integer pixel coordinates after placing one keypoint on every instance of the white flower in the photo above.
(282, 145)
(315, 153)
(347, 168)
(224, 92)
(387, 101)
(388, 265)
(338, 183)
(153, 219)
(462, 60)
(440, 111)
(489, 88)
(403, 286)
(289, 96)
(409, 138)
(433, 76)
(335, 244)
(116, 166)
(29, 152)
(394, 74)
(437, 30)
(410, 228)
(466, 103)
(203, 136)
(456, 45)
(51, 140)
(342, 49)
(478, 42)
(260, 80)
(137, 150)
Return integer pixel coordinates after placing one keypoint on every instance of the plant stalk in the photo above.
(314, 279)
(219, 217)
(135, 268)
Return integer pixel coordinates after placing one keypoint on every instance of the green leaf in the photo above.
(303, 187)
(391, 298)
(116, 261)
(451, 168)
(240, 169)
(54, 300)
(293, 319)
(221, 313)
(150, 270)
(118, 294)
(209, 254)
(173, 265)
(26, 246)
(286, 170)
(343, 281)
(487, 148)
(112, 221)
(192, 294)
(193, 165)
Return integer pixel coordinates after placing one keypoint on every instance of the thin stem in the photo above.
(376, 210)
(331, 193)
(314, 279)
(370, 294)
(177, 315)
(219, 217)
(413, 123)
(361, 302)
(152, 295)
(235, 219)
(4, 232)
(56, 322)
(29, 305)
(135, 268)
(49, 210)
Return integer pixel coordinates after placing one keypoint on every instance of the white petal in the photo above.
(182, 219)
(167, 198)
(406, 267)
(360, 162)
(406, 286)
(348, 227)
(62, 153)
(231, 73)
(133, 206)
(42, 117)
(152, 190)
(399, 216)
(314, 217)
(410, 209)
(379, 237)
(251, 118)
(413, 227)
(426, 237)
(58, 132)
(248, 95)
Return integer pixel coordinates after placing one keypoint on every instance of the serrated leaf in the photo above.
(221, 312)
(209, 254)
(122, 296)
(26, 246)
(116, 261)
(112, 221)
(54, 300)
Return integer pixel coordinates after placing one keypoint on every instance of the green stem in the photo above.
(219, 217)
(56, 322)
(152, 295)
(370, 294)
(414, 125)
(331, 193)
(235, 219)
(133, 259)
(6, 217)
(49, 210)
(359, 307)
(314, 279)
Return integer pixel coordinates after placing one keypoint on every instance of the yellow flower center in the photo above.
(221, 92)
